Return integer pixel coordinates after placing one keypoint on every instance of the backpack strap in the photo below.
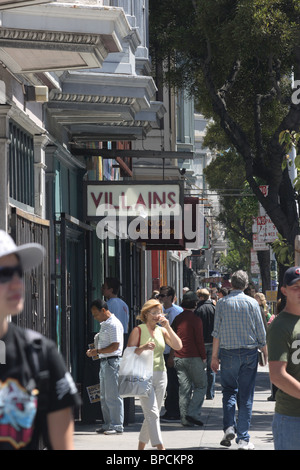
(37, 357)
(36, 352)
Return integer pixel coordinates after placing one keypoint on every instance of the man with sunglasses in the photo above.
(166, 297)
(22, 398)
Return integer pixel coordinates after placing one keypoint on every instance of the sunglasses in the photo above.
(8, 272)
(162, 295)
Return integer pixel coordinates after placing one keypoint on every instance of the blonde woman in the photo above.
(261, 299)
(151, 336)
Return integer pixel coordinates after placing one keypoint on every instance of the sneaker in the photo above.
(109, 432)
(229, 434)
(100, 431)
(192, 420)
(245, 445)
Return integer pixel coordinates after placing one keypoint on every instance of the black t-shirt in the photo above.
(19, 396)
(206, 311)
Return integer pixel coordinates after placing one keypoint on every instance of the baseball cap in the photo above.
(30, 254)
(291, 276)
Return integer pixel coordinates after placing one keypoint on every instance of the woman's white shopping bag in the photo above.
(135, 373)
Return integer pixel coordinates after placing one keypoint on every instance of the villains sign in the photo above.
(153, 212)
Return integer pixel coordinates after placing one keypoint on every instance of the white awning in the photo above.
(93, 105)
(60, 36)
(7, 4)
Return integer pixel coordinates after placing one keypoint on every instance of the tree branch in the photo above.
(259, 101)
(240, 141)
(222, 92)
(231, 128)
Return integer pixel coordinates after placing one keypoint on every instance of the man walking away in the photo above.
(190, 362)
(238, 333)
(284, 358)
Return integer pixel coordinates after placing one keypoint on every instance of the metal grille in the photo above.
(36, 314)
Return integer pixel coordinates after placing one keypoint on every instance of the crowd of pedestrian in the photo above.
(226, 329)
(221, 328)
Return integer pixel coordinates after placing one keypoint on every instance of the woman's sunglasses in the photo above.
(8, 272)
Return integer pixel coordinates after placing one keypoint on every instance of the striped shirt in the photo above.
(111, 331)
(238, 322)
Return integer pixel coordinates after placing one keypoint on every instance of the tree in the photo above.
(226, 175)
(237, 59)
(235, 259)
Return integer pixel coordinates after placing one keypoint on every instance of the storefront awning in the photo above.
(100, 106)
(60, 36)
(7, 4)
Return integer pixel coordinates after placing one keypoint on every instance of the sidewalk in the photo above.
(178, 438)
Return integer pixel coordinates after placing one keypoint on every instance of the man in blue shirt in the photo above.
(238, 333)
(117, 306)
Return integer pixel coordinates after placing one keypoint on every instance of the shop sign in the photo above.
(154, 213)
(134, 199)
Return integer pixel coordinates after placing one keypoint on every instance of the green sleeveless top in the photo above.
(158, 353)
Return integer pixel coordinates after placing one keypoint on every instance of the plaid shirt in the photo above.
(238, 322)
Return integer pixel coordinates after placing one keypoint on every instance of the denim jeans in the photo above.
(192, 386)
(172, 393)
(211, 376)
(286, 432)
(111, 403)
(238, 374)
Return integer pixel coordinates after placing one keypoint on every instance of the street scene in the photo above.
(149, 226)
(182, 440)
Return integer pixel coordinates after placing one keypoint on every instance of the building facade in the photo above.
(79, 104)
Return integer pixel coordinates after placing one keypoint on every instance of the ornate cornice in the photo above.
(93, 99)
(52, 36)
(72, 36)
(125, 124)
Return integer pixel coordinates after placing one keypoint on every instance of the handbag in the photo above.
(135, 373)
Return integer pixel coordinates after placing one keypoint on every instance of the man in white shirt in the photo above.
(109, 348)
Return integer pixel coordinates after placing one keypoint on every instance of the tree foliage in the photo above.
(238, 206)
(237, 59)
(226, 175)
